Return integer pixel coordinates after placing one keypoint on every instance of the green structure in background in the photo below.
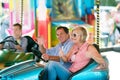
(108, 2)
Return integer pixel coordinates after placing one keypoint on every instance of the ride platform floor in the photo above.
(114, 64)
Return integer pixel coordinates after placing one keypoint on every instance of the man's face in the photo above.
(17, 32)
(61, 35)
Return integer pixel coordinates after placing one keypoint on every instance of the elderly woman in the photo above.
(79, 55)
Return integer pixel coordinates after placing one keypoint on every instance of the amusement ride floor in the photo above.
(114, 64)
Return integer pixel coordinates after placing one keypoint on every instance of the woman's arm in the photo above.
(94, 54)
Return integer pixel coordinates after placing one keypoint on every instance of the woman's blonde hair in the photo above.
(82, 32)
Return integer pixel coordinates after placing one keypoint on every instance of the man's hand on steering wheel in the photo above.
(1, 46)
(45, 57)
(18, 47)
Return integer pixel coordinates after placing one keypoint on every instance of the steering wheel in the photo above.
(5, 40)
(38, 54)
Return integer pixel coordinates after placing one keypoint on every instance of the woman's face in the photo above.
(75, 36)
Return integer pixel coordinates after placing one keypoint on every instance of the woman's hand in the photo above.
(61, 52)
(62, 56)
(102, 66)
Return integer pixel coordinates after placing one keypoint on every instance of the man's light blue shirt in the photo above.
(54, 51)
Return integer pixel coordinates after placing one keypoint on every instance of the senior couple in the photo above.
(70, 55)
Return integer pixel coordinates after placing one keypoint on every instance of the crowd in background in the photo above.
(110, 26)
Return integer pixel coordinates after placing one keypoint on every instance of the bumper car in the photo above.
(9, 56)
(28, 70)
(89, 72)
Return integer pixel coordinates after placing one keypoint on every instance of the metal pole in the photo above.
(21, 12)
(98, 20)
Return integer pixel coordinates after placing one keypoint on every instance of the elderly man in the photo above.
(65, 43)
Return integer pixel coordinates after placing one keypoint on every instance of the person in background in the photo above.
(116, 16)
(19, 43)
(107, 28)
(52, 54)
(79, 55)
(4, 25)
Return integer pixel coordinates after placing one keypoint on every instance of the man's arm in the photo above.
(49, 57)
(42, 49)
(1, 46)
(54, 58)
(40, 42)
